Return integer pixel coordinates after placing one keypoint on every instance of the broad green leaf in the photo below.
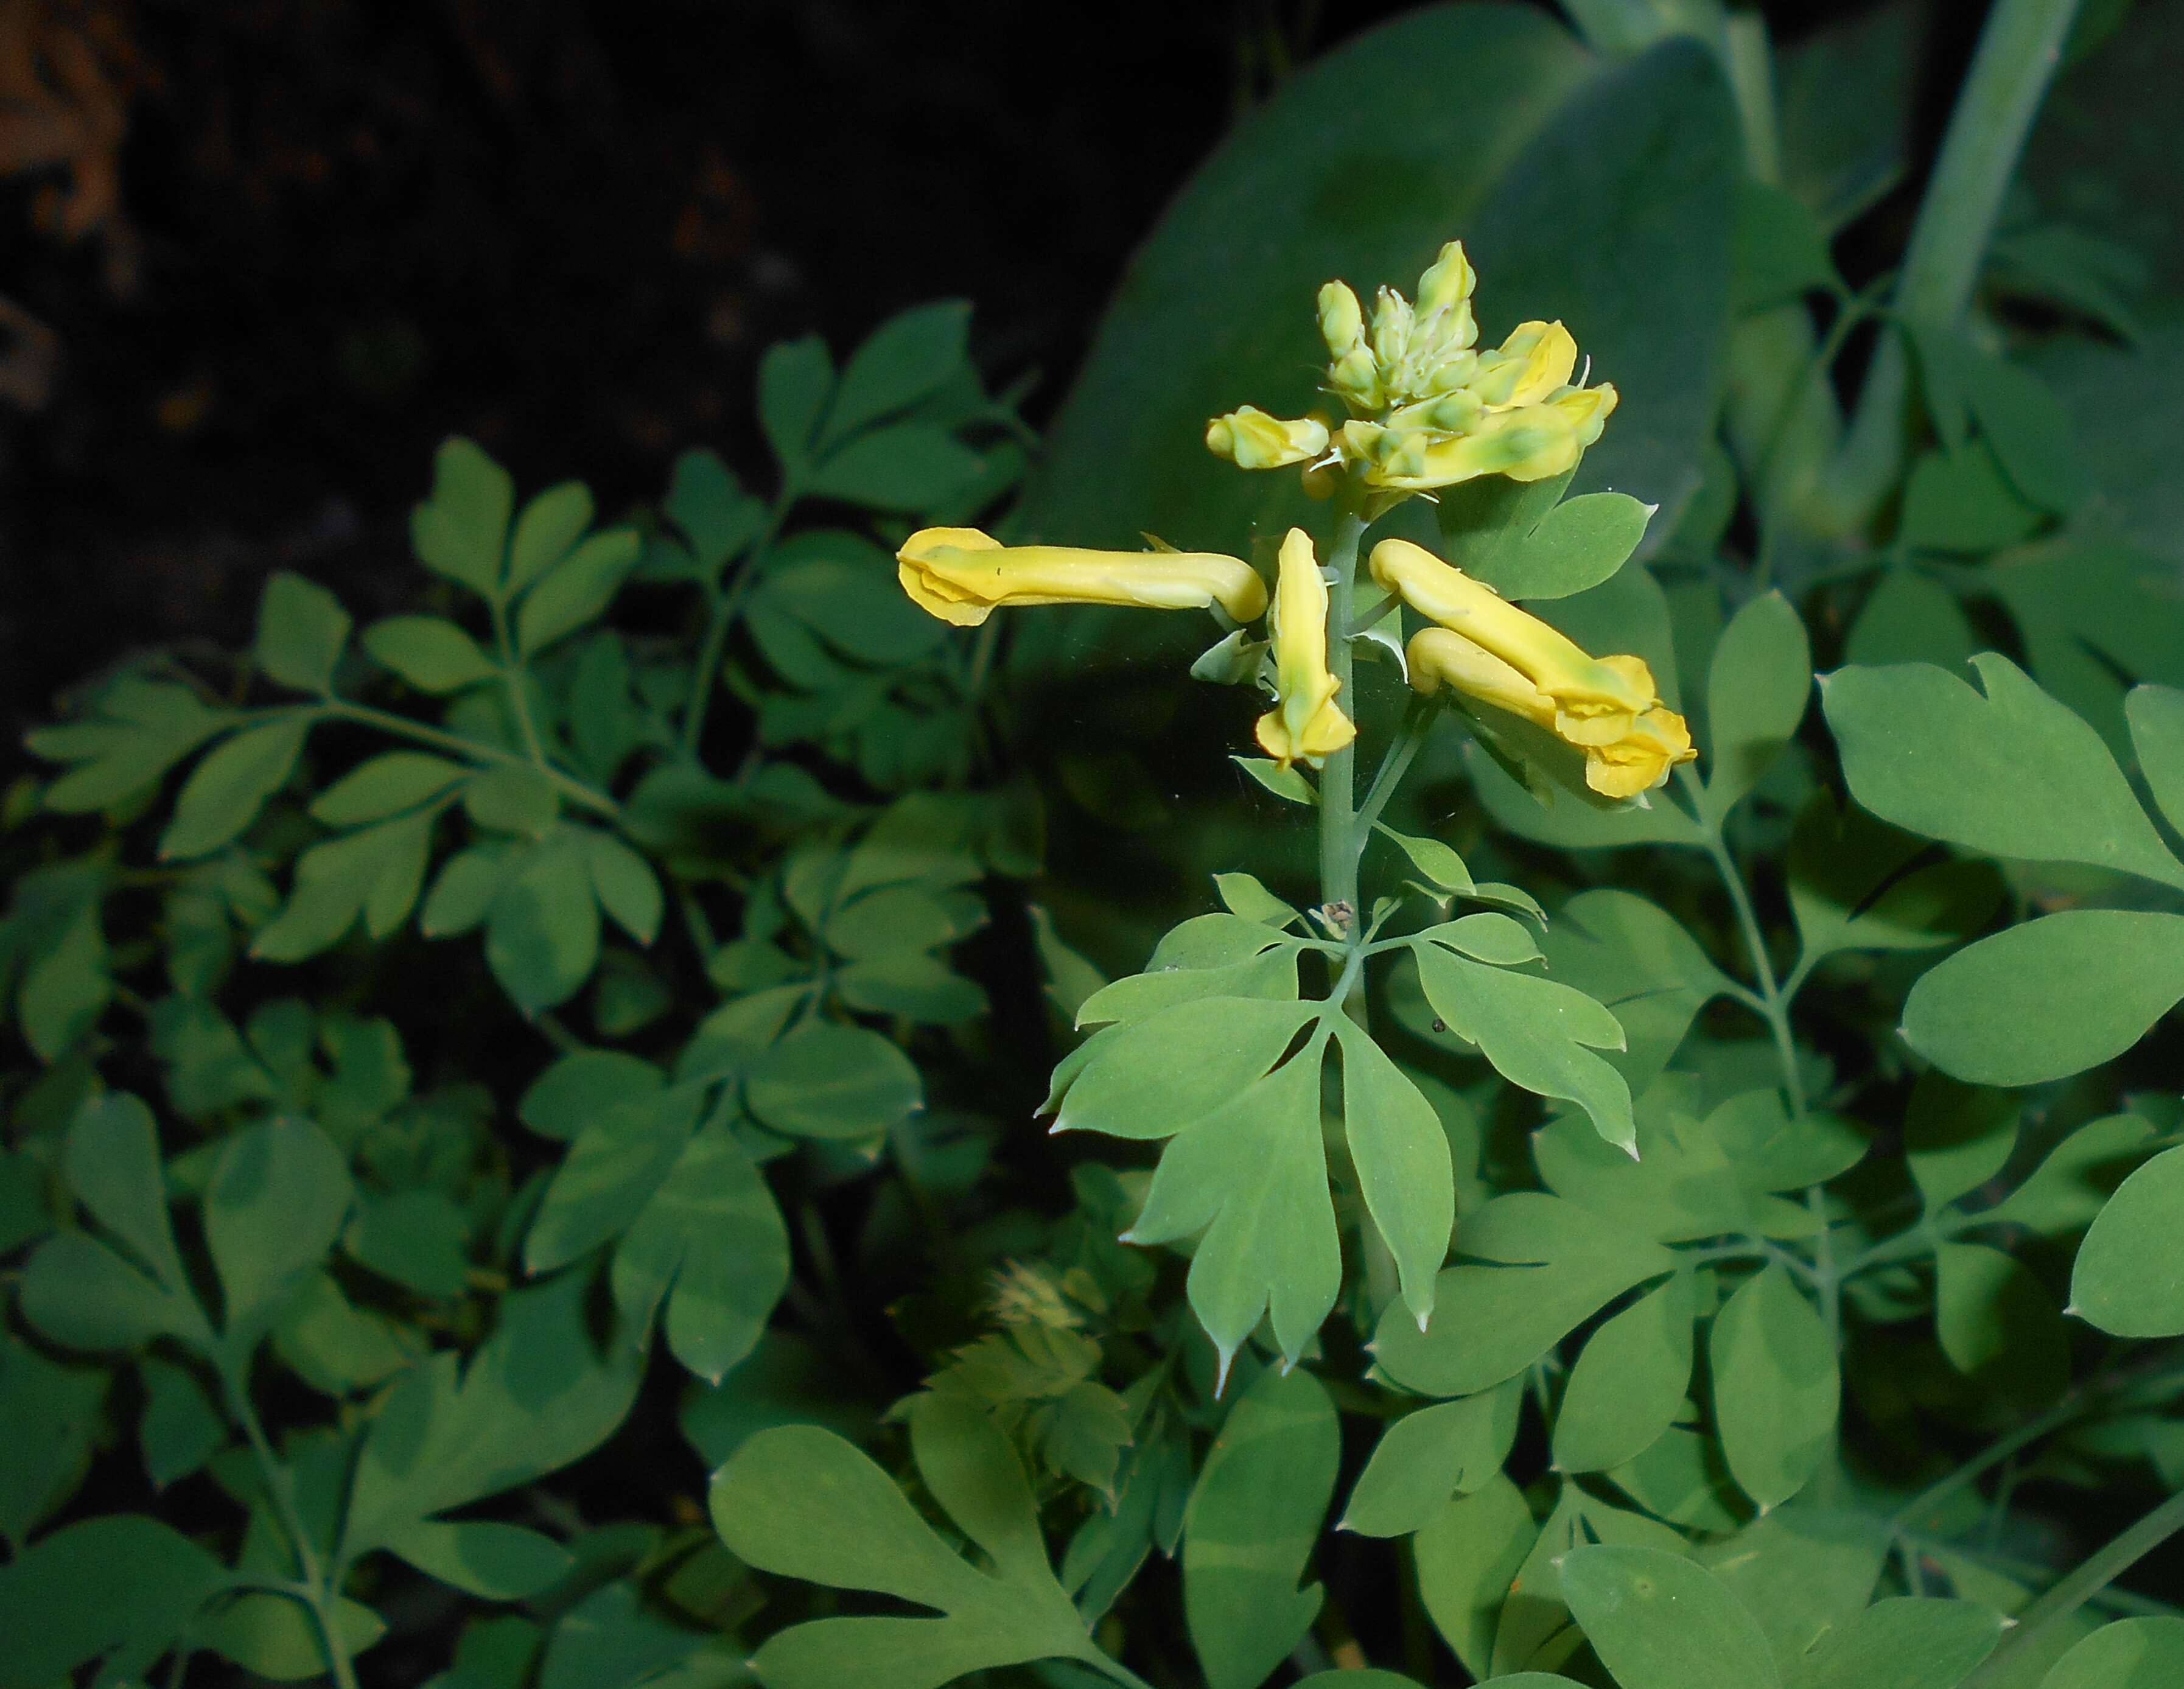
(2156, 714)
(548, 527)
(542, 938)
(279, 1194)
(1402, 1161)
(1283, 782)
(2067, 1190)
(1575, 546)
(626, 887)
(1255, 1513)
(66, 982)
(227, 790)
(1538, 1267)
(461, 531)
(904, 467)
(537, 1395)
(417, 1238)
(1659, 1621)
(800, 1503)
(120, 1587)
(1251, 1175)
(1782, 250)
(617, 1638)
(1802, 1573)
(1992, 1014)
(142, 729)
(1639, 962)
(1640, 159)
(1537, 1630)
(712, 1242)
(1963, 501)
(1152, 1078)
(302, 631)
(390, 782)
(273, 1636)
(1956, 1137)
(1858, 883)
(82, 1295)
(2018, 414)
(2011, 772)
(512, 799)
(617, 1162)
(1999, 1325)
(183, 1427)
(2129, 1279)
(1450, 1448)
(1909, 617)
(905, 360)
(1538, 1034)
(336, 1348)
(484, 1557)
(2131, 1653)
(717, 517)
(2093, 618)
(428, 651)
(794, 381)
(1756, 691)
(1904, 1644)
(1628, 1382)
(49, 1416)
(1241, 894)
(112, 1158)
(375, 871)
(1776, 1388)
(1272, 972)
(1431, 857)
(825, 1080)
(1465, 1555)
(578, 592)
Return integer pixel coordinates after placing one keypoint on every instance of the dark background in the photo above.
(258, 257)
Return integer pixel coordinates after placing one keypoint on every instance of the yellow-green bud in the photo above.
(1356, 375)
(1392, 318)
(1251, 439)
(1448, 283)
(1341, 321)
(1453, 371)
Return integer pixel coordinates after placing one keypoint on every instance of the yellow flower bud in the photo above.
(1593, 697)
(961, 575)
(1535, 361)
(1305, 722)
(1392, 318)
(1341, 320)
(1357, 376)
(1448, 283)
(1251, 439)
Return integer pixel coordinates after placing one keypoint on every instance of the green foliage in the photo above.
(1719, 1239)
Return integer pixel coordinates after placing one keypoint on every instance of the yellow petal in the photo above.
(961, 575)
(1544, 356)
(1439, 658)
(1306, 721)
(1641, 759)
(1251, 439)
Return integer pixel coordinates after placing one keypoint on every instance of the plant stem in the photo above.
(2018, 51)
(519, 697)
(1338, 817)
(1774, 1007)
(2075, 1588)
(1393, 766)
(316, 1593)
(727, 604)
(476, 750)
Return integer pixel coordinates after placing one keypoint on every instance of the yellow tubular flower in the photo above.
(1641, 759)
(1595, 698)
(961, 575)
(1251, 439)
(1306, 723)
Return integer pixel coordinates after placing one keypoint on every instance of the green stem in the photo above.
(713, 647)
(2018, 51)
(2107, 1564)
(519, 695)
(1338, 817)
(476, 750)
(1774, 1007)
(316, 1593)
(1394, 765)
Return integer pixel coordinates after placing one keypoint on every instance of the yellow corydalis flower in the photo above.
(1304, 721)
(1428, 409)
(961, 575)
(1488, 648)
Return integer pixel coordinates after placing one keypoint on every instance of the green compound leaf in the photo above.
(1757, 690)
(1856, 883)
(549, 526)
(1539, 1033)
(542, 925)
(1427, 1457)
(905, 360)
(1576, 545)
(2129, 1279)
(1991, 1014)
(1904, 1644)
(387, 785)
(1536, 1629)
(428, 651)
(121, 1587)
(49, 1416)
(1659, 1621)
(279, 1194)
(824, 1080)
(227, 790)
(461, 532)
(1402, 1160)
(1776, 1387)
(576, 592)
(1628, 1383)
(2011, 772)
(2132, 1653)
(1537, 1266)
(1803, 1572)
(802, 1502)
(2156, 716)
(711, 1241)
(302, 632)
(139, 729)
(1999, 1325)
(1254, 1514)
(1466, 1554)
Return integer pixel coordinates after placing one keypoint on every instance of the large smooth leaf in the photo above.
(1451, 1448)
(2132, 1653)
(1775, 1384)
(802, 1502)
(1255, 1513)
(1756, 691)
(1991, 1013)
(1904, 1644)
(1661, 1622)
(2129, 1279)
(2012, 771)
(1360, 167)
(122, 1586)
(277, 1198)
